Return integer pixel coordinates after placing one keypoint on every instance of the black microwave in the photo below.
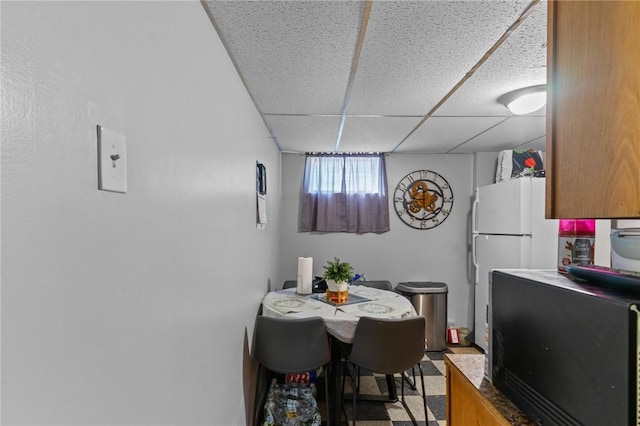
(563, 351)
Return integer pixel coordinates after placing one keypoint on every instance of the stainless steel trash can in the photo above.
(430, 300)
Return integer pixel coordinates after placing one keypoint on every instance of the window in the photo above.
(344, 193)
(356, 174)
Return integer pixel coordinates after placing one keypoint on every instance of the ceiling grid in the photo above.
(388, 76)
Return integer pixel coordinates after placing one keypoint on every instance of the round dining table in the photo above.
(341, 321)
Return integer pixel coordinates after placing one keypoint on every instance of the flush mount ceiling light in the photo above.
(525, 100)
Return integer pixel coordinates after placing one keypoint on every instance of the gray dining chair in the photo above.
(389, 346)
(380, 285)
(384, 285)
(290, 284)
(288, 346)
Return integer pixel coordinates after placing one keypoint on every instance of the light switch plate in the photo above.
(112, 161)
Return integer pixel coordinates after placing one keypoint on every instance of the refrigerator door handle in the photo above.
(474, 213)
(474, 260)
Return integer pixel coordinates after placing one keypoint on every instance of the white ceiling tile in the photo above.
(305, 133)
(508, 134)
(538, 144)
(521, 61)
(295, 56)
(377, 134)
(416, 51)
(442, 134)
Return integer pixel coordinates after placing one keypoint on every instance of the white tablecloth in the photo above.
(340, 320)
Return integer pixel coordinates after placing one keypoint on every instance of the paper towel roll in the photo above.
(305, 275)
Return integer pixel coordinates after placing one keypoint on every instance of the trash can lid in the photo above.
(417, 287)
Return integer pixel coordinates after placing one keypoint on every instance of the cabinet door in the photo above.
(465, 405)
(593, 115)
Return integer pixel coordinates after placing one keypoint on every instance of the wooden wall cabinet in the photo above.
(593, 109)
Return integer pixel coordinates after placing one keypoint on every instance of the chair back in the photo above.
(380, 285)
(291, 345)
(388, 346)
(290, 284)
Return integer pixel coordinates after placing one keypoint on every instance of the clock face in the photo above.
(423, 199)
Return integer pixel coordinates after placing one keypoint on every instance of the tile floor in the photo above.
(393, 414)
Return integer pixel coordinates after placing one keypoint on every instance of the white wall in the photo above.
(403, 253)
(128, 309)
(485, 164)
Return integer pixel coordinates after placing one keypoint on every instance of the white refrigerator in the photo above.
(509, 232)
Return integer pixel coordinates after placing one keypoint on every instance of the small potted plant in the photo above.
(337, 274)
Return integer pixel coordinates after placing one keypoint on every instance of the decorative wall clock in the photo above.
(423, 199)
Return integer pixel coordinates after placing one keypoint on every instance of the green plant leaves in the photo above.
(337, 270)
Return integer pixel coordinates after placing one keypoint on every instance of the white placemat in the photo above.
(290, 303)
(395, 307)
(371, 293)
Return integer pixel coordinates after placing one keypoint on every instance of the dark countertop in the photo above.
(472, 367)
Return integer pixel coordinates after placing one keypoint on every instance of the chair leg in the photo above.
(424, 399)
(352, 370)
(326, 389)
(404, 403)
(345, 371)
(424, 396)
(355, 396)
(405, 376)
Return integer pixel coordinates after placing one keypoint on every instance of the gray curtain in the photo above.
(344, 193)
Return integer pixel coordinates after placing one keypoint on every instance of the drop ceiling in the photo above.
(388, 76)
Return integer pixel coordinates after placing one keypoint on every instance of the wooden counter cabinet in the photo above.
(593, 109)
(472, 400)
